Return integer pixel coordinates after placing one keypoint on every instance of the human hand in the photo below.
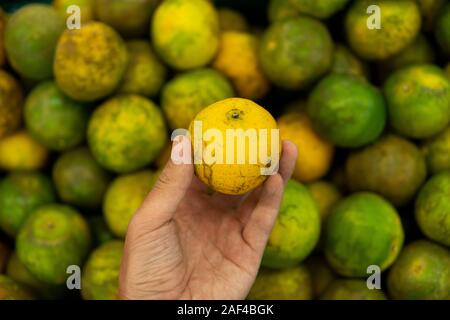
(185, 243)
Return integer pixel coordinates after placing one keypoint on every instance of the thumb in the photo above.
(172, 184)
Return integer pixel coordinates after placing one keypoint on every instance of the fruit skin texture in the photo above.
(418, 99)
(295, 52)
(11, 290)
(188, 93)
(129, 18)
(56, 121)
(101, 272)
(437, 152)
(433, 208)
(123, 197)
(321, 9)
(351, 289)
(326, 195)
(288, 284)
(126, 133)
(231, 20)
(79, 179)
(442, 29)
(392, 167)
(185, 33)
(280, 10)
(347, 120)
(52, 238)
(19, 151)
(11, 104)
(20, 194)
(363, 230)
(236, 178)
(31, 36)
(238, 59)
(296, 231)
(90, 62)
(315, 154)
(400, 24)
(345, 62)
(421, 272)
(17, 272)
(145, 73)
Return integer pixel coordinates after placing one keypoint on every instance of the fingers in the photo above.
(287, 161)
(287, 165)
(172, 184)
(261, 220)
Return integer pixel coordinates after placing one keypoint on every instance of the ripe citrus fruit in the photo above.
(185, 33)
(319, 8)
(352, 289)
(231, 20)
(11, 104)
(126, 133)
(347, 120)
(296, 231)
(90, 62)
(12, 290)
(362, 230)
(437, 151)
(315, 154)
(220, 169)
(87, 9)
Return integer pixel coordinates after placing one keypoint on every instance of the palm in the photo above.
(209, 248)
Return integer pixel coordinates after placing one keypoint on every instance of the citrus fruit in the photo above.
(345, 62)
(123, 197)
(11, 104)
(238, 59)
(281, 9)
(145, 73)
(400, 23)
(315, 154)
(231, 20)
(296, 230)
(87, 10)
(392, 167)
(326, 195)
(101, 272)
(295, 52)
(347, 120)
(20, 194)
(288, 284)
(11, 290)
(442, 29)
(421, 272)
(185, 33)
(90, 62)
(51, 239)
(437, 151)
(418, 99)
(188, 93)
(433, 208)
(79, 179)
(31, 36)
(362, 230)
(351, 289)
(19, 151)
(126, 133)
(17, 272)
(53, 119)
(321, 274)
(216, 164)
(130, 18)
(319, 8)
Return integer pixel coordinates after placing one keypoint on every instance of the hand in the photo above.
(185, 243)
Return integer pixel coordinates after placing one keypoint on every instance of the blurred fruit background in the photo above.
(85, 117)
